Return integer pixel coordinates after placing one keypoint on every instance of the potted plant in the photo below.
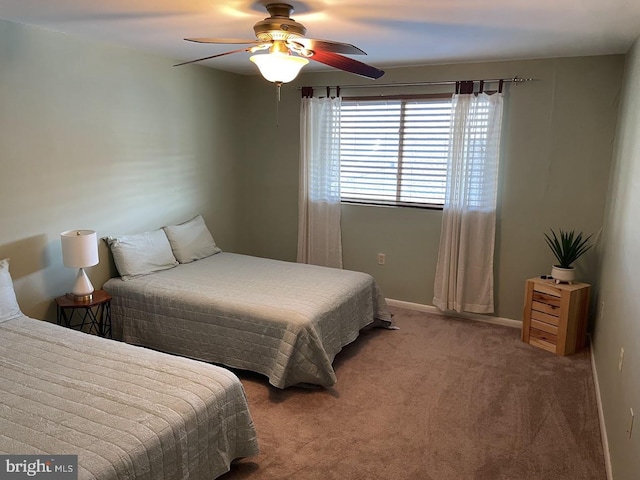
(567, 248)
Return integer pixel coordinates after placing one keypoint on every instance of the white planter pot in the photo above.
(563, 275)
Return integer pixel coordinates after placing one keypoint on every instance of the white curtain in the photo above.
(464, 273)
(319, 235)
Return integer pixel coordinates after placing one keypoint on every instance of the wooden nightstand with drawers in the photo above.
(555, 315)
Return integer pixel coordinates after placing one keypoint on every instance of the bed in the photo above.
(125, 411)
(281, 319)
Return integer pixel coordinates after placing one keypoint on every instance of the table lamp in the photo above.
(80, 250)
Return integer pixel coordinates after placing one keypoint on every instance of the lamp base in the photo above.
(80, 298)
(82, 289)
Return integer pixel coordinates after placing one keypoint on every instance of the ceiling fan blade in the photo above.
(328, 46)
(237, 41)
(347, 64)
(213, 56)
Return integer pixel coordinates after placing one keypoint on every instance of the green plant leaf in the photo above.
(568, 247)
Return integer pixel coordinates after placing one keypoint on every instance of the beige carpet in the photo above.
(439, 399)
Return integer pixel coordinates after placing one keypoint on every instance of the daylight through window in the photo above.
(394, 151)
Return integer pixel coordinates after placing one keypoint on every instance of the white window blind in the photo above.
(394, 152)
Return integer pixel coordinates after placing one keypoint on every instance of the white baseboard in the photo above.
(508, 322)
(603, 428)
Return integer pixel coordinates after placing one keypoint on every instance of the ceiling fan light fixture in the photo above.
(279, 67)
(289, 48)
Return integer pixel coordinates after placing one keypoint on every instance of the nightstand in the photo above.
(555, 315)
(94, 313)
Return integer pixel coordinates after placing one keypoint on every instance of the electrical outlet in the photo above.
(381, 258)
(631, 422)
(621, 358)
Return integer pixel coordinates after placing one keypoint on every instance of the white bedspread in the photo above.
(282, 319)
(127, 412)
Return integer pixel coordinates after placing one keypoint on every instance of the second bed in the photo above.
(281, 319)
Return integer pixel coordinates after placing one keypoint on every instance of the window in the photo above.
(394, 151)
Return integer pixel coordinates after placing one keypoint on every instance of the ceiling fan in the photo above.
(288, 48)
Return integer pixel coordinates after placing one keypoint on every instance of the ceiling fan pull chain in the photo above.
(278, 85)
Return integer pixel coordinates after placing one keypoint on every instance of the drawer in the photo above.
(547, 289)
(546, 308)
(549, 347)
(545, 327)
(545, 317)
(545, 298)
(544, 336)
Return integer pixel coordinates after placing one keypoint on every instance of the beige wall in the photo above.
(618, 321)
(101, 137)
(558, 142)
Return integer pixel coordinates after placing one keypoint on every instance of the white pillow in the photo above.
(141, 254)
(9, 307)
(191, 240)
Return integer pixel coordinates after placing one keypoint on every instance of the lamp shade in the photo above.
(279, 67)
(79, 248)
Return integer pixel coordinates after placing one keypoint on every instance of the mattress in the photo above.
(281, 319)
(126, 412)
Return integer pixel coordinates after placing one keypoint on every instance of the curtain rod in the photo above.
(515, 80)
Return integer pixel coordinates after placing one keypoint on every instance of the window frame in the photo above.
(401, 97)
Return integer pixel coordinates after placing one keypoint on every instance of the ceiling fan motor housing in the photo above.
(280, 25)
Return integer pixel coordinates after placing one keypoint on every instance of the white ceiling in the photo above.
(392, 32)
